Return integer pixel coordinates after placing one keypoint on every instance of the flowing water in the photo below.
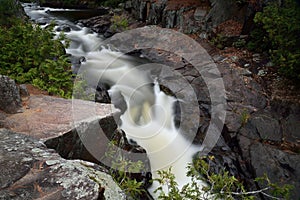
(149, 117)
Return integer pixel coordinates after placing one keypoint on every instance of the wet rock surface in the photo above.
(101, 95)
(254, 125)
(99, 24)
(115, 21)
(31, 171)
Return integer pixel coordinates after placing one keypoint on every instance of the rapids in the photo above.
(149, 117)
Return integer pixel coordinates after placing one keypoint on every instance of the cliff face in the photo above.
(191, 16)
(186, 15)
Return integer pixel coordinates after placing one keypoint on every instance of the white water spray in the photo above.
(149, 118)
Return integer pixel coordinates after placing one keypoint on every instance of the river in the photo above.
(149, 117)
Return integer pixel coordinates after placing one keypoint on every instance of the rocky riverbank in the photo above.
(29, 168)
(260, 134)
(40, 123)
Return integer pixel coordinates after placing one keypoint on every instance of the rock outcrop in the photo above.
(187, 16)
(269, 143)
(76, 129)
(99, 24)
(47, 117)
(10, 101)
(101, 142)
(193, 16)
(31, 171)
(254, 124)
(66, 4)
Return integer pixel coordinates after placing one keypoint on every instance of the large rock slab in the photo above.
(280, 166)
(46, 117)
(28, 170)
(266, 126)
(269, 143)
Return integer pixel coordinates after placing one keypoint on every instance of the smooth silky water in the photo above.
(149, 117)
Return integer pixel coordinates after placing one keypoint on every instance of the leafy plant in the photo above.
(218, 186)
(279, 34)
(81, 89)
(9, 10)
(30, 54)
(219, 41)
(120, 169)
(240, 43)
(119, 22)
(259, 41)
(275, 190)
(131, 187)
(244, 117)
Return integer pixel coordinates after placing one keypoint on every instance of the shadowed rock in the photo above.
(10, 101)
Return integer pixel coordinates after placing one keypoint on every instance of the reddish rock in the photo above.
(46, 117)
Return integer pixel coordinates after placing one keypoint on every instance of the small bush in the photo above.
(9, 9)
(29, 54)
(119, 23)
(279, 33)
(218, 186)
(219, 41)
(121, 167)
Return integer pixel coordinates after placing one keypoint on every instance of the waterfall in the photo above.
(149, 117)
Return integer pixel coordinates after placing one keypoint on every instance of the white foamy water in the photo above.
(149, 118)
(165, 145)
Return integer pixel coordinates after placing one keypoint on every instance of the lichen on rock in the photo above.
(31, 171)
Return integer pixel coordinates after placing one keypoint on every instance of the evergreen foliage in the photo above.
(278, 33)
(30, 54)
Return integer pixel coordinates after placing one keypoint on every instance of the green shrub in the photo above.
(119, 22)
(218, 186)
(219, 41)
(240, 43)
(29, 54)
(81, 88)
(9, 9)
(259, 40)
(120, 169)
(280, 30)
